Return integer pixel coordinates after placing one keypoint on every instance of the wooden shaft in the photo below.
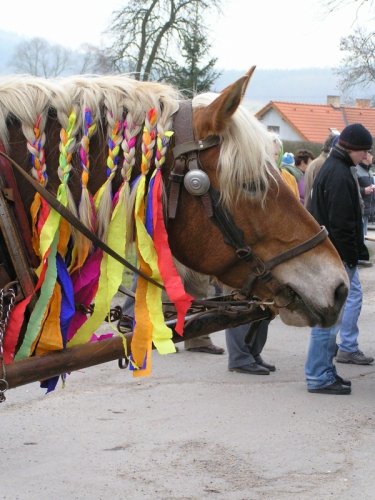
(55, 363)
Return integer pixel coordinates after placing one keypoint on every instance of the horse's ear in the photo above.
(214, 118)
(249, 74)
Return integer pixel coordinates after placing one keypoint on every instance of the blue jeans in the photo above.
(319, 369)
(349, 329)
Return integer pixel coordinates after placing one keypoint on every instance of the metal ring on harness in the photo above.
(197, 182)
(123, 363)
(5, 385)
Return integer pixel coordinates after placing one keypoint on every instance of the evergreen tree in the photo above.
(193, 77)
(147, 34)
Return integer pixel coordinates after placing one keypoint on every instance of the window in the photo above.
(273, 128)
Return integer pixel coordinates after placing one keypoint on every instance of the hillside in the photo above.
(309, 85)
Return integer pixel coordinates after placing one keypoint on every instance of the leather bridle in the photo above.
(186, 153)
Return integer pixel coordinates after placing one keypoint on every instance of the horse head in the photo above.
(241, 170)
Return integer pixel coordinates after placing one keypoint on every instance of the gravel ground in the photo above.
(194, 430)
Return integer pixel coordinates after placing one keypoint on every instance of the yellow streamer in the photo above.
(161, 334)
(110, 274)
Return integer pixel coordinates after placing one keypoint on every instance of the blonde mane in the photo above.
(246, 155)
(109, 99)
(26, 97)
(246, 150)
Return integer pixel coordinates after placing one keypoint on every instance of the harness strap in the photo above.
(234, 237)
(200, 145)
(176, 177)
(182, 133)
(232, 234)
(298, 250)
(282, 295)
(185, 153)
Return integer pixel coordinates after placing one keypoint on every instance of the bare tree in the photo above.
(333, 5)
(147, 34)
(39, 58)
(93, 60)
(330, 6)
(357, 68)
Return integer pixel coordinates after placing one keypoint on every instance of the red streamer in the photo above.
(172, 280)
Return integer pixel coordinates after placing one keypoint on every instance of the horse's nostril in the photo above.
(341, 294)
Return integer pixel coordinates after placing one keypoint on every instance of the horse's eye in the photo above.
(252, 187)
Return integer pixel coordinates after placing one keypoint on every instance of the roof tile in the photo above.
(313, 121)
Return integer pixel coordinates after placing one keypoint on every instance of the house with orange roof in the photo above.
(313, 122)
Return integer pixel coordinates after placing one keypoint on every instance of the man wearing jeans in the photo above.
(335, 204)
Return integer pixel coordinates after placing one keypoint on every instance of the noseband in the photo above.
(187, 169)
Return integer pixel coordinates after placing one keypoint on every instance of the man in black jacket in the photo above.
(335, 204)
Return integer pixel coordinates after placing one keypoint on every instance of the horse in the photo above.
(94, 136)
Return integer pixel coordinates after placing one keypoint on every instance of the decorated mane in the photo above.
(129, 114)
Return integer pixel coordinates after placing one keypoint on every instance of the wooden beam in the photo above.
(55, 363)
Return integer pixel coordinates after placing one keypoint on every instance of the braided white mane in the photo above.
(26, 97)
(246, 146)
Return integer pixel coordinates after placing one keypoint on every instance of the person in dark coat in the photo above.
(335, 204)
(366, 185)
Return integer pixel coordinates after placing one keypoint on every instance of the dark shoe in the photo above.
(336, 388)
(209, 349)
(259, 361)
(342, 381)
(365, 263)
(252, 369)
(357, 357)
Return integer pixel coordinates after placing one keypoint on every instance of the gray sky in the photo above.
(268, 33)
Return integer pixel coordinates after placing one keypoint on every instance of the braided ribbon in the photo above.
(36, 149)
(162, 141)
(39, 209)
(82, 245)
(114, 142)
(49, 297)
(67, 143)
(88, 131)
(128, 147)
(149, 320)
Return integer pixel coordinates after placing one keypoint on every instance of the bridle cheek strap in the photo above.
(186, 153)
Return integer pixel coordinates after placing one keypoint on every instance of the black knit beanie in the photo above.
(355, 137)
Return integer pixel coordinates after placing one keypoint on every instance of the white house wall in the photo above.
(272, 119)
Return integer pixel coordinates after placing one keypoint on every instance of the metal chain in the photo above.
(5, 313)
